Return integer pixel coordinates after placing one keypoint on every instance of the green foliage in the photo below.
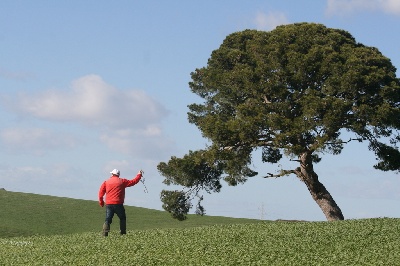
(291, 91)
(177, 203)
(352, 242)
(199, 171)
(388, 155)
(193, 170)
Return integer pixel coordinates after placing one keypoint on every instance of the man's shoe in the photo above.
(106, 229)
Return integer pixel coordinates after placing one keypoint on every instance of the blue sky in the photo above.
(88, 86)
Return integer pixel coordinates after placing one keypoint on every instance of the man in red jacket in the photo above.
(114, 188)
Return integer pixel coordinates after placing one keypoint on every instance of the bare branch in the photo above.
(344, 142)
(282, 173)
(251, 144)
(266, 99)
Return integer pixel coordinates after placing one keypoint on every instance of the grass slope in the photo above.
(24, 214)
(352, 242)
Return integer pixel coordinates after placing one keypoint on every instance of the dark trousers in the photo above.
(112, 209)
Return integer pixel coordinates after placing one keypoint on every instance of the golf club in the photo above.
(142, 180)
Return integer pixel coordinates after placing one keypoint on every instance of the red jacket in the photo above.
(114, 187)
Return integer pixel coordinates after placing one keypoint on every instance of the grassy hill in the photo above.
(46, 230)
(24, 214)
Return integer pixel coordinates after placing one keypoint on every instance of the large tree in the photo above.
(292, 91)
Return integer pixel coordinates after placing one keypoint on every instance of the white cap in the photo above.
(115, 172)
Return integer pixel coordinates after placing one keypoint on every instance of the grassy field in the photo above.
(203, 241)
(353, 242)
(24, 214)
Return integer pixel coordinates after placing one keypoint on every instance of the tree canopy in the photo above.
(289, 92)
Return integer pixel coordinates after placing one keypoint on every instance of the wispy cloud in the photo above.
(124, 120)
(92, 102)
(345, 7)
(35, 140)
(14, 75)
(60, 179)
(364, 183)
(378, 188)
(270, 20)
(359, 181)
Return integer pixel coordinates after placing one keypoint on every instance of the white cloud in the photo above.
(351, 6)
(120, 165)
(34, 140)
(127, 121)
(270, 21)
(91, 101)
(139, 143)
(391, 6)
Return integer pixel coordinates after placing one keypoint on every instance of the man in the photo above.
(114, 188)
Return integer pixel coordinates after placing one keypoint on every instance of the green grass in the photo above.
(352, 242)
(24, 214)
(45, 230)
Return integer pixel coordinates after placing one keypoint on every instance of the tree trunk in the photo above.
(317, 190)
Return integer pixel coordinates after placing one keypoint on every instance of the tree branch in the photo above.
(282, 173)
(266, 99)
(253, 144)
(344, 142)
